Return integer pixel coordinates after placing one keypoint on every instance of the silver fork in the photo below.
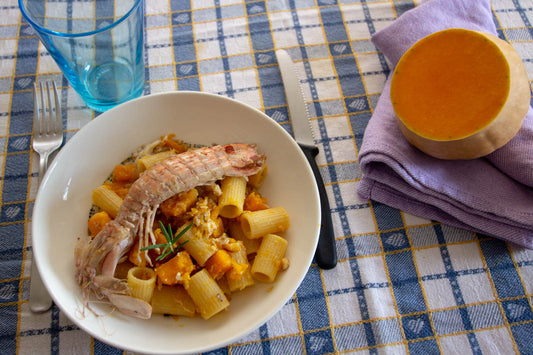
(47, 137)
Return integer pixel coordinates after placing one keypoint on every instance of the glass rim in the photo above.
(40, 28)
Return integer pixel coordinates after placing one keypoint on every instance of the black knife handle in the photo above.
(326, 253)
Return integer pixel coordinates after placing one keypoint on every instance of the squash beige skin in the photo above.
(497, 133)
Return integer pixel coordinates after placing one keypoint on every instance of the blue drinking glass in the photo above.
(97, 44)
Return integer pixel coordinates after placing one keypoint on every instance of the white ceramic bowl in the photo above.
(63, 203)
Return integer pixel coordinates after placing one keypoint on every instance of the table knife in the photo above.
(326, 254)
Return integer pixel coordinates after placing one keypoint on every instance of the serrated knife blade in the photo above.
(326, 254)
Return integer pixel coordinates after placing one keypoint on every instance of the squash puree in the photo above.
(450, 85)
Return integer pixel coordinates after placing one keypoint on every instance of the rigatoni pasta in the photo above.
(173, 300)
(241, 276)
(147, 161)
(107, 200)
(257, 179)
(251, 245)
(269, 258)
(206, 294)
(259, 223)
(231, 200)
(141, 281)
(204, 244)
(199, 248)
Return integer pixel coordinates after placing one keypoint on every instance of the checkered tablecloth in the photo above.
(403, 284)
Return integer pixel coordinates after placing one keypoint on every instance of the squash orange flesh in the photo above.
(450, 85)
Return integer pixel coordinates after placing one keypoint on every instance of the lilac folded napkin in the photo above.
(492, 195)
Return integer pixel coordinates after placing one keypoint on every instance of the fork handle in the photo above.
(40, 300)
(43, 166)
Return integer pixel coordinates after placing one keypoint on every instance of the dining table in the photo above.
(404, 282)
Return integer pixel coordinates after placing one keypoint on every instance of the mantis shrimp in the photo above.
(96, 258)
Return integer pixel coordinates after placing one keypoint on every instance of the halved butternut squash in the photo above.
(460, 94)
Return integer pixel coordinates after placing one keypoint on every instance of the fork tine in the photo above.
(36, 108)
(59, 119)
(49, 119)
(42, 121)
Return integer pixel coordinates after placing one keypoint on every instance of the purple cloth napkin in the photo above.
(492, 195)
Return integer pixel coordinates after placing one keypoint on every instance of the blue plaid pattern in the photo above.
(402, 285)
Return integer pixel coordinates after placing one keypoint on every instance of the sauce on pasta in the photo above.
(214, 255)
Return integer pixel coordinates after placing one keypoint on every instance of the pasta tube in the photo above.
(240, 276)
(259, 223)
(197, 247)
(258, 178)
(107, 200)
(268, 260)
(223, 284)
(179, 204)
(251, 245)
(173, 300)
(148, 161)
(141, 281)
(207, 294)
(232, 199)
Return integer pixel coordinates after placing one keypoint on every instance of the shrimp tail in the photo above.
(117, 292)
(131, 306)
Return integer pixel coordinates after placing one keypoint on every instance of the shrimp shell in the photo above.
(97, 258)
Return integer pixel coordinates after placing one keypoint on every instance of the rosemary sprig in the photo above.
(171, 240)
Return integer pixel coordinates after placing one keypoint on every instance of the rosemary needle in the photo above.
(168, 248)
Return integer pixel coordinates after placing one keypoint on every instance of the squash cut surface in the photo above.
(460, 94)
(450, 85)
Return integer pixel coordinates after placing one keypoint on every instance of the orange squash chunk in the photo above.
(125, 173)
(179, 204)
(176, 271)
(97, 222)
(218, 264)
(464, 88)
(255, 202)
